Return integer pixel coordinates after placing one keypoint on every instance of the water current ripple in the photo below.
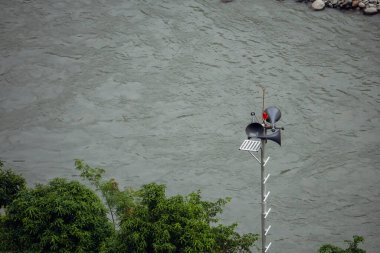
(162, 90)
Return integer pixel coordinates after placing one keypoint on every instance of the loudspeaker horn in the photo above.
(254, 129)
(275, 136)
(274, 115)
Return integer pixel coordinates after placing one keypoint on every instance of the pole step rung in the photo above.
(267, 230)
(266, 196)
(267, 213)
(265, 162)
(268, 246)
(266, 179)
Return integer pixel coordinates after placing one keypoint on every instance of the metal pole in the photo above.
(263, 192)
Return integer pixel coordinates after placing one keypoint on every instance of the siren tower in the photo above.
(257, 137)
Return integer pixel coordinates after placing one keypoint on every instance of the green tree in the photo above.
(148, 221)
(115, 199)
(10, 184)
(177, 224)
(352, 246)
(59, 217)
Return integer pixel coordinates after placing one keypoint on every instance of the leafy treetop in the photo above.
(59, 217)
(148, 221)
(352, 246)
(10, 184)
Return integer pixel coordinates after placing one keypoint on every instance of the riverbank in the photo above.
(368, 7)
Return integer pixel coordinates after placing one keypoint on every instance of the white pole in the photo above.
(263, 200)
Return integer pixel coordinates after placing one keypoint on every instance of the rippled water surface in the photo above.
(162, 91)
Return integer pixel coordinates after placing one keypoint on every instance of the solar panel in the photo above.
(250, 145)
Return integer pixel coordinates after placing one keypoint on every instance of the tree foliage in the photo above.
(66, 216)
(151, 222)
(164, 224)
(10, 184)
(352, 246)
(116, 200)
(59, 217)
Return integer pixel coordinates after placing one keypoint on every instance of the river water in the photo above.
(162, 91)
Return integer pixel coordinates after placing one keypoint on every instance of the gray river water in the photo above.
(162, 91)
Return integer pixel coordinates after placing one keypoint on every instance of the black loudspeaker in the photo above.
(253, 130)
(256, 130)
(274, 115)
(275, 136)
